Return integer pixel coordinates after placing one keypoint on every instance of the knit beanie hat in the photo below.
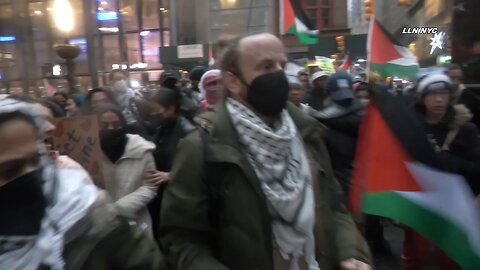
(434, 82)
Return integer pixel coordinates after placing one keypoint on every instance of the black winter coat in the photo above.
(166, 141)
(341, 138)
(463, 156)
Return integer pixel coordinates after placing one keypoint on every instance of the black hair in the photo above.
(56, 110)
(104, 108)
(167, 97)
(11, 116)
(106, 90)
(141, 108)
(58, 93)
(197, 72)
(363, 86)
(121, 71)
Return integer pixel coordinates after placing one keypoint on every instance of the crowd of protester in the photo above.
(240, 167)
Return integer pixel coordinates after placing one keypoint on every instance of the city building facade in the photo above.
(141, 36)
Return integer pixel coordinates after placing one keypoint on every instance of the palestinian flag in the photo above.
(386, 56)
(396, 176)
(346, 63)
(293, 20)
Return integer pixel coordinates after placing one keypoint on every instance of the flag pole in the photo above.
(369, 37)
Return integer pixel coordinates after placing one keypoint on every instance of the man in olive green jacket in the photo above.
(258, 191)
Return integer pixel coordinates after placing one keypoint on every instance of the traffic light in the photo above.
(369, 6)
(405, 3)
(340, 43)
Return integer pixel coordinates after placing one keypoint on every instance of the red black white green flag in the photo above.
(386, 56)
(293, 20)
(397, 176)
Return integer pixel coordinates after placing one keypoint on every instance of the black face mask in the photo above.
(268, 93)
(113, 142)
(22, 205)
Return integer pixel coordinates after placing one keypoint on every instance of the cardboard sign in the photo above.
(78, 138)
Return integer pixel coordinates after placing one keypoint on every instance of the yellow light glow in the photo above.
(228, 3)
(37, 12)
(63, 15)
(162, 9)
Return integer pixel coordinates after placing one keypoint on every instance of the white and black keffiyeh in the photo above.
(280, 163)
(69, 199)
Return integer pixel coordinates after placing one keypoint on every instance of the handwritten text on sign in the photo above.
(78, 138)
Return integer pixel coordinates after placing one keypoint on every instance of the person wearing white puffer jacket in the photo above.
(128, 168)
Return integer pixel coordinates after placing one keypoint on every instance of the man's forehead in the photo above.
(262, 46)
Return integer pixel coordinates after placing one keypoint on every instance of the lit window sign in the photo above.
(7, 38)
(56, 70)
(109, 29)
(107, 16)
(444, 59)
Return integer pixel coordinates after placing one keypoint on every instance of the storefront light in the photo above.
(107, 16)
(138, 65)
(7, 38)
(109, 29)
(57, 70)
(135, 84)
(63, 15)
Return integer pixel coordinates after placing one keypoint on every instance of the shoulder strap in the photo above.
(214, 174)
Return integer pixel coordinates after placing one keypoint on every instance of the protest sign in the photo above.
(325, 64)
(78, 138)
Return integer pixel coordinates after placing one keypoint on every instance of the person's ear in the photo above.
(232, 83)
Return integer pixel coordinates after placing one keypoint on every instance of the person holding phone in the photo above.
(128, 167)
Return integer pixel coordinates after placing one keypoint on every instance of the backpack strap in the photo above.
(214, 178)
(213, 171)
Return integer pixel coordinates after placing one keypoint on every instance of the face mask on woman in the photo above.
(113, 142)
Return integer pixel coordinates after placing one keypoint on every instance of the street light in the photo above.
(63, 17)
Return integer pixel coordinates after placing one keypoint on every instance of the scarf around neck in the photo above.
(74, 200)
(280, 163)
